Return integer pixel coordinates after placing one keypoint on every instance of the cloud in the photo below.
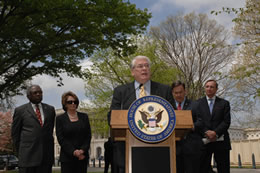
(172, 7)
(52, 92)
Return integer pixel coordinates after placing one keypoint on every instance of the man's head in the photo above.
(211, 87)
(34, 94)
(178, 91)
(140, 69)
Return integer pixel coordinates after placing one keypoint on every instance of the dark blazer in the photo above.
(219, 121)
(34, 144)
(71, 138)
(192, 142)
(124, 95)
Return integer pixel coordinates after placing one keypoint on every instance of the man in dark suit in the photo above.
(215, 114)
(125, 95)
(108, 145)
(188, 150)
(32, 133)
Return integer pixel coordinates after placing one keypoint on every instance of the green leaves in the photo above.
(51, 37)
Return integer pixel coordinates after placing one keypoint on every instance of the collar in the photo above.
(182, 103)
(147, 87)
(34, 105)
(213, 98)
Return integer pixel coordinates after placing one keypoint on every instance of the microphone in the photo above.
(128, 96)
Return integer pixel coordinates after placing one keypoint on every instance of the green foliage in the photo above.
(247, 70)
(52, 37)
(110, 70)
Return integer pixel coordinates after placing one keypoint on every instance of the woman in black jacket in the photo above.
(74, 136)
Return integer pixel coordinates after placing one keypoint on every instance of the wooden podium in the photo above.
(121, 132)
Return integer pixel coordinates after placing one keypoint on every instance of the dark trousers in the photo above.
(108, 162)
(119, 157)
(78, 166)
(188, 163)
(47, 168)
(221, 156)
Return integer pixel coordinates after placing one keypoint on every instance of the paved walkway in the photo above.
(233, 170)
(237, 170)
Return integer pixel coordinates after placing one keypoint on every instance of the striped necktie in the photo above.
(142, 92)
(38, 114)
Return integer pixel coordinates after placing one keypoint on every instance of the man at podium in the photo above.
(125, 95)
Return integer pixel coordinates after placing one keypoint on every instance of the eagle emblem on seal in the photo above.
(151, 119)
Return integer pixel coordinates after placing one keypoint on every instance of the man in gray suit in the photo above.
(32, 133)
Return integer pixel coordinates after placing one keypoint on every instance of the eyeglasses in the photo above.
(140, 66)
(72, 102)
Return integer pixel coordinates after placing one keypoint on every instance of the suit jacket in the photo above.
(73, 135)
(219, 121)
(34, 144)
(192, 142)
(124, 95)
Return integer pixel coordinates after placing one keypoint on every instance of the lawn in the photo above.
(15, 171)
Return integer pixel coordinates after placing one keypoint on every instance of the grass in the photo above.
(53, 171)
(15, 171)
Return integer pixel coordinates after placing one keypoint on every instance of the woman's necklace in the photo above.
(73, 117)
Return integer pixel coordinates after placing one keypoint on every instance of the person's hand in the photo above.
(77, 153)
(211, 135)
(81, 157)
(81, 151)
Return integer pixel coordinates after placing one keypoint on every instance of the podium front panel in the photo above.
(151, 159)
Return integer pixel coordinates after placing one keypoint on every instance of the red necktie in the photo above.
(38, 114)
(179, 106)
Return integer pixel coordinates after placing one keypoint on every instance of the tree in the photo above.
(244, 74)
(247, 68)
(52, 37)
(196, 46)
(109, 70)
(5, 132)
(246, 71)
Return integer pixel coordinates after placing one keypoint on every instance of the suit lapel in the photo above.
(31, 112)
(215, 105)
(154, 88)
(132, 97)
(174, 105)
(45, 112)
(206, 108)
(186, 104)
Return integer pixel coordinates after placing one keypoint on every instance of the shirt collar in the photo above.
(34, 105)
(213, 98)
(147, 87)
(182, 103)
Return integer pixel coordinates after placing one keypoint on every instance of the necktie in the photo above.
(142, 92)
(179, 106)
(38, 114)
(210, 105)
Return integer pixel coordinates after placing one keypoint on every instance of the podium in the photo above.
(166, 148)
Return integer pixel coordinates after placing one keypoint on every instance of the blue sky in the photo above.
(160, 10)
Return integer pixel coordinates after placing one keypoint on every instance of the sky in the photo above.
(160, 10)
